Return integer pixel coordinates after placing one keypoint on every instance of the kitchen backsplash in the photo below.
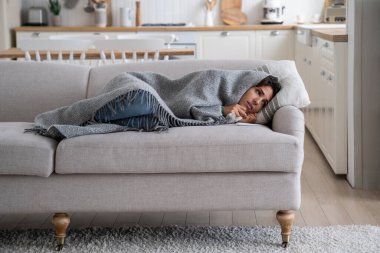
(174, 11)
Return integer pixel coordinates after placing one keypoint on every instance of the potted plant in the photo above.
(55, 9)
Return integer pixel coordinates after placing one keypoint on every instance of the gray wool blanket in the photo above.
(195, 99)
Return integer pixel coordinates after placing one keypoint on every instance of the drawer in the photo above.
(34, 35)
(325, 49)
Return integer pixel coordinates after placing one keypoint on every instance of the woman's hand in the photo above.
(238, 110)
(250, 118)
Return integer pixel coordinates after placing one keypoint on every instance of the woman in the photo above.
(147, 101)
(253, 100)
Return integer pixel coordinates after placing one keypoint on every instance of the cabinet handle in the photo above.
(326, 44)
(309, 62)
(274, 33)
(225, 34)
(330, 78)
(305, 59)
(323, 73)
(36, 34)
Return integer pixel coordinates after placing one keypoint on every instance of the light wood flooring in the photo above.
(326, 200)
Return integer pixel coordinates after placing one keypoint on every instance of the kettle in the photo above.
(37, 16)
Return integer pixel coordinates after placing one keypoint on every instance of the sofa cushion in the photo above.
(25, 153)
(29, 88)
(226, 148)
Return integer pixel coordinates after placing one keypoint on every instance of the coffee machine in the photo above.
(335, 12)
(273, 12)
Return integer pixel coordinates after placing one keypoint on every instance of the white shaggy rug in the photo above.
(334, 239)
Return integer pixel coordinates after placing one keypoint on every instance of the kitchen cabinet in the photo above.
(323, 68)
(303, 59)
(333, 79)
(32, 35)
(265, 44)
(26, 37)
(226, 45)
(275, 45)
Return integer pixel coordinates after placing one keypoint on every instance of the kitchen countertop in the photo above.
(331, 34)
(155, 29)
(334, 35)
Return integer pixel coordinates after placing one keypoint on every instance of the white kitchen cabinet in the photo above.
(305, 57)
(226, 45)
(25, 37)
(32, 35)
(275, 45)
(333, 77)
(323, 68)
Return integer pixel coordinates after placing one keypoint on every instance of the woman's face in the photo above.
(256, 98)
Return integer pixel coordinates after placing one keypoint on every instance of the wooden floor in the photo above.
(326, 200)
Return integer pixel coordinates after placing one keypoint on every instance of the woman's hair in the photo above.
(272, 82)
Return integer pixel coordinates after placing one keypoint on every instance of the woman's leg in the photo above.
(122, 108)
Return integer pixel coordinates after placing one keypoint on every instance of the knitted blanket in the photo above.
(195, 99)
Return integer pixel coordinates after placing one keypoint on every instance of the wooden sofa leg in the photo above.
(61, 222)
(285, 218)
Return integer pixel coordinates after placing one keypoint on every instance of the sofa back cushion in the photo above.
(29, 88)
(293, 91)
(99, 77)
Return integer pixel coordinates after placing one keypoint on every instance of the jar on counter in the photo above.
(101, 16)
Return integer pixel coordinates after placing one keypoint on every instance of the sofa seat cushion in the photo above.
(25, 153)
(226, 148)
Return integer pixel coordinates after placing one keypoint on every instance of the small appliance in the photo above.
(336, 13)
(37, 16)
(273, 12)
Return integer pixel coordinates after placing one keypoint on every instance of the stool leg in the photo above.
(285, 218)
(61, 222)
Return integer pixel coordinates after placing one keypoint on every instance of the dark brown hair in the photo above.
(271, 81)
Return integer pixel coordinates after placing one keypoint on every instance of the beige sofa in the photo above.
(225, 167)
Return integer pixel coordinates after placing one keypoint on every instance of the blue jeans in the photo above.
(131, 114)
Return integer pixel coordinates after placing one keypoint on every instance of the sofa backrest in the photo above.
(100, 76)
(29, 88)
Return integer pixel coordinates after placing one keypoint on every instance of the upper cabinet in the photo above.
(226, 45)
(275, 45)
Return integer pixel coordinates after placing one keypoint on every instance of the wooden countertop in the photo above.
(334, 35)
(155, 29)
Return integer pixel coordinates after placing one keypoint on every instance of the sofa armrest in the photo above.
(289, 120)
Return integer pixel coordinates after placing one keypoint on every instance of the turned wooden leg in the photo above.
(285, 218)
(61, 222)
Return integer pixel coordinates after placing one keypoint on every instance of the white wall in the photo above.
(363, 93)
(9, 18)
(3, 26)
(182, 11)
